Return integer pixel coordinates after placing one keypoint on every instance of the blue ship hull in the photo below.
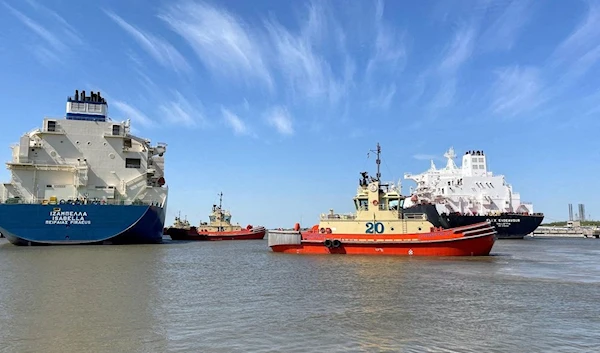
(35, 224)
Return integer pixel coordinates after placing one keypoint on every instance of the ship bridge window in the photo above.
(77, 107)
(362, 204)
(94, 108)
(116, 130)
(133, 163)
(51, 125)
(127, 143)
(212, 218)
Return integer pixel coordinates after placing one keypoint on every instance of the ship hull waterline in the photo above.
(184, 234)
(449, 242)
(68, 224)
(510, 226)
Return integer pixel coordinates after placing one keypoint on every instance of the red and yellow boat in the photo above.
(379, 227)
(219, 227)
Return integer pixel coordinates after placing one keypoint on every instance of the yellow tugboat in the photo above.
(219, 227)
(380, 227)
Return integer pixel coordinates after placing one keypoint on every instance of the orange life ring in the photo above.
(375, 203)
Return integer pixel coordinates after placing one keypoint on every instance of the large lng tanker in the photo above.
(84, 179)
(471, 194)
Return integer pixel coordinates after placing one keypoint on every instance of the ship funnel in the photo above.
(83, 95)
(76, 94)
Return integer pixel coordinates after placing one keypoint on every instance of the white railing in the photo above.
(19, 201)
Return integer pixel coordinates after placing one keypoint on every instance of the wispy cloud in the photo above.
(445, 94)
(504, 31)
(68, 30)
(385, 97)
(389, 52)
(219, 39)
(443, 74)
(52, 41)
(234, 122)
(307, 71)
(580, 51)
(426, 157)
(158, 48)
(132, 113)
(516, 90)
(180, 112)
(459, 50)
(279, 118)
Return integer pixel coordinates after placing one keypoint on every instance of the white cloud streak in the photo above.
(580, 51)
(158, 48)
(426, 157)
(219, 39)
(132, 113)
(279, 118)
(503, 33)
(234, 122)
(52, 43)
(459, 51)
(180, 112)
(389, 52)
(517, 90)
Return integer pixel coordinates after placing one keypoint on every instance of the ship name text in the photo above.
(68, 217)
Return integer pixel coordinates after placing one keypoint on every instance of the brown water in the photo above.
(534, 295)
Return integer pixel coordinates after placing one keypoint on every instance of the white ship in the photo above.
(84, 179)
(470, 193)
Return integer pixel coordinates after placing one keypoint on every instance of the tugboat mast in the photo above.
(378, 161)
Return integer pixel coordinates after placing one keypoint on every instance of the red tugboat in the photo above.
(380, 227)
(219, 227)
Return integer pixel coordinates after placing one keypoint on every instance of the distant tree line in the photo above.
(564, 224)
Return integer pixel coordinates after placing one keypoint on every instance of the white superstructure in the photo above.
(85, 157)
(468, 189)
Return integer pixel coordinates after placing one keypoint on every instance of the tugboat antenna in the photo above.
(220, 199)
(378, 161)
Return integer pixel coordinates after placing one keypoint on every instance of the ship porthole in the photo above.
(392, 228)
(419, 228)
(105, 143)
(112, 156)
(76, 142)
(53, 153)
(89, 143)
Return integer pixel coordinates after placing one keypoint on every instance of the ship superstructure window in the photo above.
(116, 130)
(51, 125)
(133, 163)
(77, 107)
(94, 108)
(127, 143)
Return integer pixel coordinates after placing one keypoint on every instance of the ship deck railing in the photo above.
(138, 202)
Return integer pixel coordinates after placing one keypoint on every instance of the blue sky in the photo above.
(276, 103)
